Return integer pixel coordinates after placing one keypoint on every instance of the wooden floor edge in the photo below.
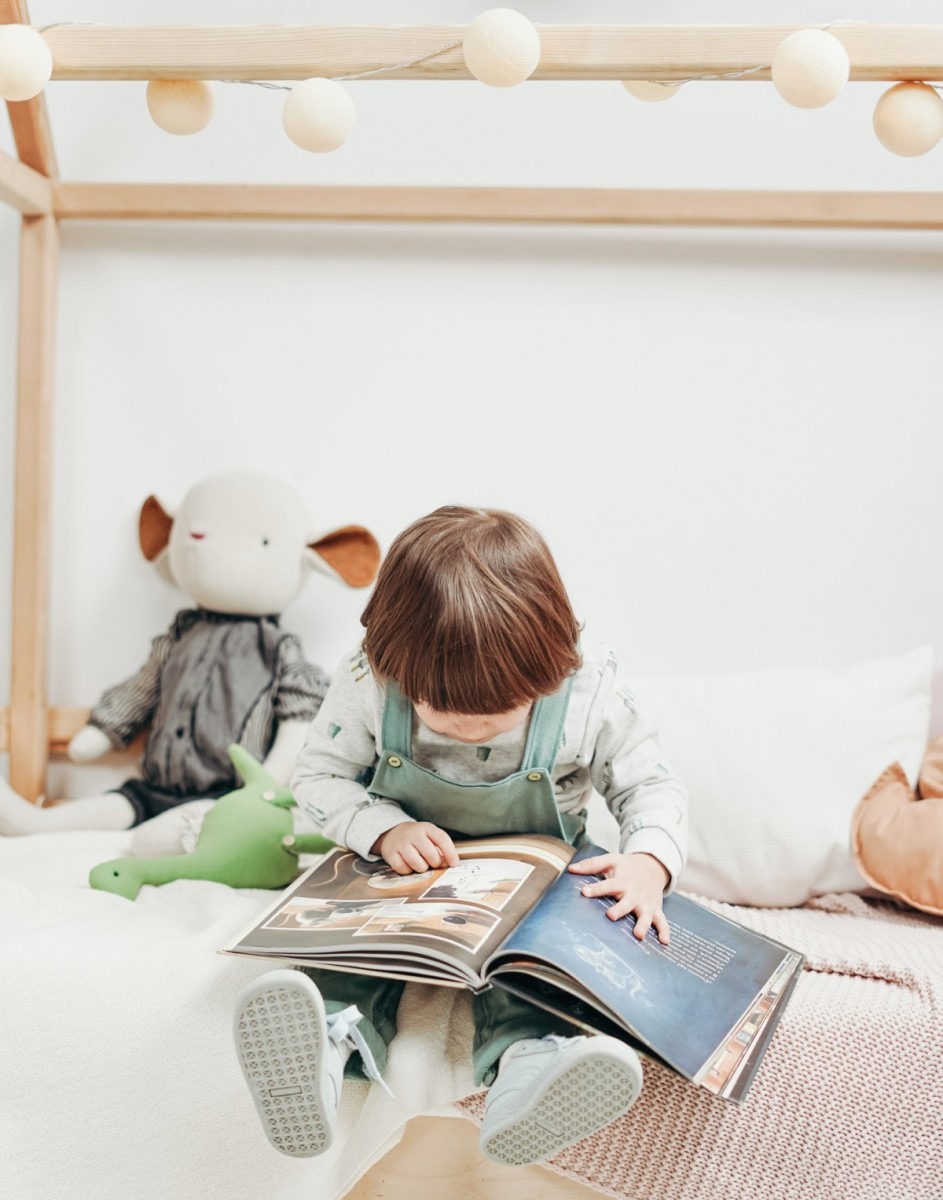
(439, 1157)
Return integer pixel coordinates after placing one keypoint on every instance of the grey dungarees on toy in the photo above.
(524, 802)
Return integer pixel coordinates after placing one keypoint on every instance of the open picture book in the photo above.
(511, 915)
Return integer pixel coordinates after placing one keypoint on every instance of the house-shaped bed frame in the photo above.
(29, 729)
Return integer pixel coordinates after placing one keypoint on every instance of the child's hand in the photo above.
(416, 846)
(638, 882)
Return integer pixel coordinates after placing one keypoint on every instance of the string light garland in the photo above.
(650, 90)
(810, 68)
(25, 62)
(501, 48)
(801, 57)
(318, 115)
(181, 106)
(908, 119)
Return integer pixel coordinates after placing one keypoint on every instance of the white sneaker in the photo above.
(293, 1068)
(551, 1092)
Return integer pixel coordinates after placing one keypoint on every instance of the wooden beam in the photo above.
(580, 206)
(27, 190)
(270, 52)
(32, 551)
(62, 724)
(30, 120)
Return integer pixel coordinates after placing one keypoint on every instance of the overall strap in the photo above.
(397, 732)
(543, 736)
(546, 729)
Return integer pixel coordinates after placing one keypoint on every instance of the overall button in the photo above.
(534, 776)
(394, 761)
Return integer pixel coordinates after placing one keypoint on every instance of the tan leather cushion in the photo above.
(897, 838)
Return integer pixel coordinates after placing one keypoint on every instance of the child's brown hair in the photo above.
(469, 613)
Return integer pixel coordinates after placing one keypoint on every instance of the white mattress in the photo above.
(118, 1077)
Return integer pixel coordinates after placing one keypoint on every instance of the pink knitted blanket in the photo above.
(848, 1102)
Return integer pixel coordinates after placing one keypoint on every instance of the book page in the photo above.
(347, 908)
(682, 1000)
(731, 1070)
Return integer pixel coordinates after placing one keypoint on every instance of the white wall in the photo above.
(730, 439)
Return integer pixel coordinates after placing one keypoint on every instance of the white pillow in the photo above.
(775, 762)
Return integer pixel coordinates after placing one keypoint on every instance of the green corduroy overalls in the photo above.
(524, 802)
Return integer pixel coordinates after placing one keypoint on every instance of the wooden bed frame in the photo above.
(437, 1155)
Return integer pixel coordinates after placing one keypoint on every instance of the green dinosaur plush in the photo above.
(246, 841)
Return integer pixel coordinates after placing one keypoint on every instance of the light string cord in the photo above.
(401, 66)
(751, 70)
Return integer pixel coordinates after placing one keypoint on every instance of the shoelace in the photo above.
(342, 1030)
(541, 1044)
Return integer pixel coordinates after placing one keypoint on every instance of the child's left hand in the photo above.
(638, 882)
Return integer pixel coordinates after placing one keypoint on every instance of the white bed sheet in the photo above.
(118, 1076)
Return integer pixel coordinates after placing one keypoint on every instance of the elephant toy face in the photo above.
(241, 543)
(237, 545)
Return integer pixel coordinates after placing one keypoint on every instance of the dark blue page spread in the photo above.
(682, 999)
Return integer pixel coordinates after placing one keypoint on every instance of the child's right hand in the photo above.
(416, 846)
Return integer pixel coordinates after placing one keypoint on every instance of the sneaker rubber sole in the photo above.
(280, 1030)
(583, 1094)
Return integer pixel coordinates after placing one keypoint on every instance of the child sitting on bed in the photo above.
(469, 710)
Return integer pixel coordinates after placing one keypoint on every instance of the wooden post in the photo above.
(32, 552)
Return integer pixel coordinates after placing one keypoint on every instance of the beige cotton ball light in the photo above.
(319, 115)
(181, 106)
(810, 68)
(501, 47)
(25, 62)
(908, 119)
(650, 90)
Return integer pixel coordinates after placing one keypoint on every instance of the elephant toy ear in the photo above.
(351, 554)
(154, 526)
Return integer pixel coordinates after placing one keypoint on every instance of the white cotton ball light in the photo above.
(319, 115)
(908, 119)
(810, 68)
(650, 90)
(181, 106)
(501, 47)
(25, 62)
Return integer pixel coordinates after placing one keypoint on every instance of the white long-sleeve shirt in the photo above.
(607, 745)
